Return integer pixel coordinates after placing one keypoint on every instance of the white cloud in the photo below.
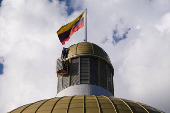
(1, 59)
(30, 47)
(164, 25)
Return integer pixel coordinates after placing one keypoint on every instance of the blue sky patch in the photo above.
(117, 38)
(0, 2)
(1, 65)
(1, 68)
(70, 9)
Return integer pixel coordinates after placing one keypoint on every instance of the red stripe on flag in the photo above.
(74, 29)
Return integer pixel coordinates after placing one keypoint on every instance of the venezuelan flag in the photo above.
(66, 31)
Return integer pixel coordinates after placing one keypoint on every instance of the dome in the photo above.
(88, 49)
(86, 104)
(85, 85)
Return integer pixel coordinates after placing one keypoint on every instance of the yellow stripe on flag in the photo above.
(69, 25)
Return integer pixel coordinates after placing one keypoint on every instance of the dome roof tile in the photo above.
(86, 104)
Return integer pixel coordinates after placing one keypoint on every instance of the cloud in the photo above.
(30, 47)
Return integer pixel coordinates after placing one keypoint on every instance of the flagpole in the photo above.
(86, 24)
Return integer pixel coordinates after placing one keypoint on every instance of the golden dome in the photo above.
(89, 49)
(86, 104)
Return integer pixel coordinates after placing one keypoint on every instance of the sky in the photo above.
(134, 33)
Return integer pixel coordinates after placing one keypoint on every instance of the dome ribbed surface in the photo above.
(87, 48)
(86, 104)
